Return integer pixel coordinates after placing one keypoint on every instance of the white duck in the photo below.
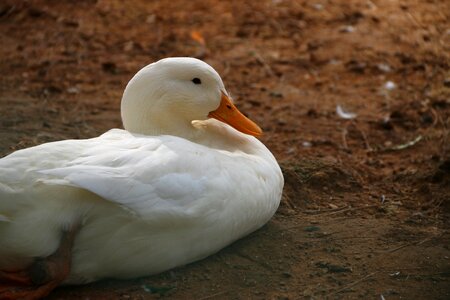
(174, 187)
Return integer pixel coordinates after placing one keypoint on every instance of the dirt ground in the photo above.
(366, 202)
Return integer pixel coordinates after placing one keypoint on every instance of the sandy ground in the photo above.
(366, 203)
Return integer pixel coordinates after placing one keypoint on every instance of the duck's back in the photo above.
(146, 204)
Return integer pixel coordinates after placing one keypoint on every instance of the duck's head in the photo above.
(166, 96)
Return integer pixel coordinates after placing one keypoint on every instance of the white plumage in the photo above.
(173, 188)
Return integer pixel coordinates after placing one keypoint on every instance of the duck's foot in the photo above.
(15, 277)
(44, 275)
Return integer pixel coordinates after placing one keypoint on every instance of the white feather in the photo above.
(343, 114)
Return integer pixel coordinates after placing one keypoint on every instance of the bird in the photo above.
(186, 177)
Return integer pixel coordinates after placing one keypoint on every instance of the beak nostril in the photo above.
(229, 114)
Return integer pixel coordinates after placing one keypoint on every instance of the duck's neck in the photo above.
(210, 133)
(162, 125)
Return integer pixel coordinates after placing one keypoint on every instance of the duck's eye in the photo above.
(196, 80)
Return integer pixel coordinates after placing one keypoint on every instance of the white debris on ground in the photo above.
(343, 114)
(384, 67)
(390, 85)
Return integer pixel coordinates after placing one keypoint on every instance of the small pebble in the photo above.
(73, 90)
(318, 6)
(447, 82)
(390, 85)
(384, 67)
(348, 28)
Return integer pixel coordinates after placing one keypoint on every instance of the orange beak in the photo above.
(229, 114)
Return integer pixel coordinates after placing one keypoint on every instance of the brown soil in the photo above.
(366, 202)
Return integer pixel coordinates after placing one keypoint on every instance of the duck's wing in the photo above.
(147, 175)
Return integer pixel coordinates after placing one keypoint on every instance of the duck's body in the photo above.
(144, 203)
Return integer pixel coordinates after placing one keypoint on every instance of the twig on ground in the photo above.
(214, 295)
(405, 145)
(227, 69)
(435, 117)
(318, 211)
(413, 244)
(344, 138)
(260, 263)
(414, 20)
(263, 62)
(333, 212)
(372, 4)
(353, 283)
(349, 209)
(364, 136)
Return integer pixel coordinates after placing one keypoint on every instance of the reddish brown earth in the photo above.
(366, 202)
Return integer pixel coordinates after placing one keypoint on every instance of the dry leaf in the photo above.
(197, 36)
